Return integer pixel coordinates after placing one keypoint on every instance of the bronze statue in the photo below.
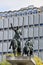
(28, 48)
(16, 41)
(14, 46)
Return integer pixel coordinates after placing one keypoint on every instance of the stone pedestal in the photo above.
(21, 60)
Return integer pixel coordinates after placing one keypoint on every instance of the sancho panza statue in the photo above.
(16, 41)
(28, 48)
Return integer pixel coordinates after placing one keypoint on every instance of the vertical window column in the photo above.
(33, 30)
(28, 26)
(38, 32)
(22, 33)
(8, 35)
(3, 38)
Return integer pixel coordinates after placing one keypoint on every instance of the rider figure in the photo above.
(17, 37)
(28, 48)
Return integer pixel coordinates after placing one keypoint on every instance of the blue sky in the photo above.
(6, 5)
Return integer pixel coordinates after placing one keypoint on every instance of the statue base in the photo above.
(21, 60)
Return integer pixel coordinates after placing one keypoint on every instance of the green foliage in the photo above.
(5, 63)
(38, 60)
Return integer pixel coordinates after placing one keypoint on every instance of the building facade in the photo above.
(30, 22)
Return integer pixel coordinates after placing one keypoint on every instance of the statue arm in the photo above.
(10, 46)
(12, 27)
(20, 33)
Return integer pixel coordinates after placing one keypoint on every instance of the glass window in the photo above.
(41, 17)
(36, 18)
(20, 21)
(30, 19)
(4, 46)
(35, 45)
(41, 43)
(35, 31)
(20, 13)
(41, 31)
(1, 35)
(5, 34)
(5, 22)
(35, 11)
(25, 13)
(1, 23)
(25, 20)
(0, 46)
(15, 21)
(29, 11)
(31, 32)
(15, 14)
(25, 32)
(10, 34)
(41, 55)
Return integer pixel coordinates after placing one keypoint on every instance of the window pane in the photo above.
(30, 19)
(25, 32)
(31, 32)
(10, 34)
(36, 18)
(16, 21)
(0, 46)
(41, 55)
(41, 43)
(35, 44)
(20, 21)
(4, 46)
(41, 31)
(41, 17)
(5, 34)
(1, 22)
(25, 20)
(35, 31)
(5, 22)
(1, 35)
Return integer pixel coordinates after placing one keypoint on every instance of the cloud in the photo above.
(12, 4)
(17, 4)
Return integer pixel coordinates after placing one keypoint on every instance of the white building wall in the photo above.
(29, 28)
